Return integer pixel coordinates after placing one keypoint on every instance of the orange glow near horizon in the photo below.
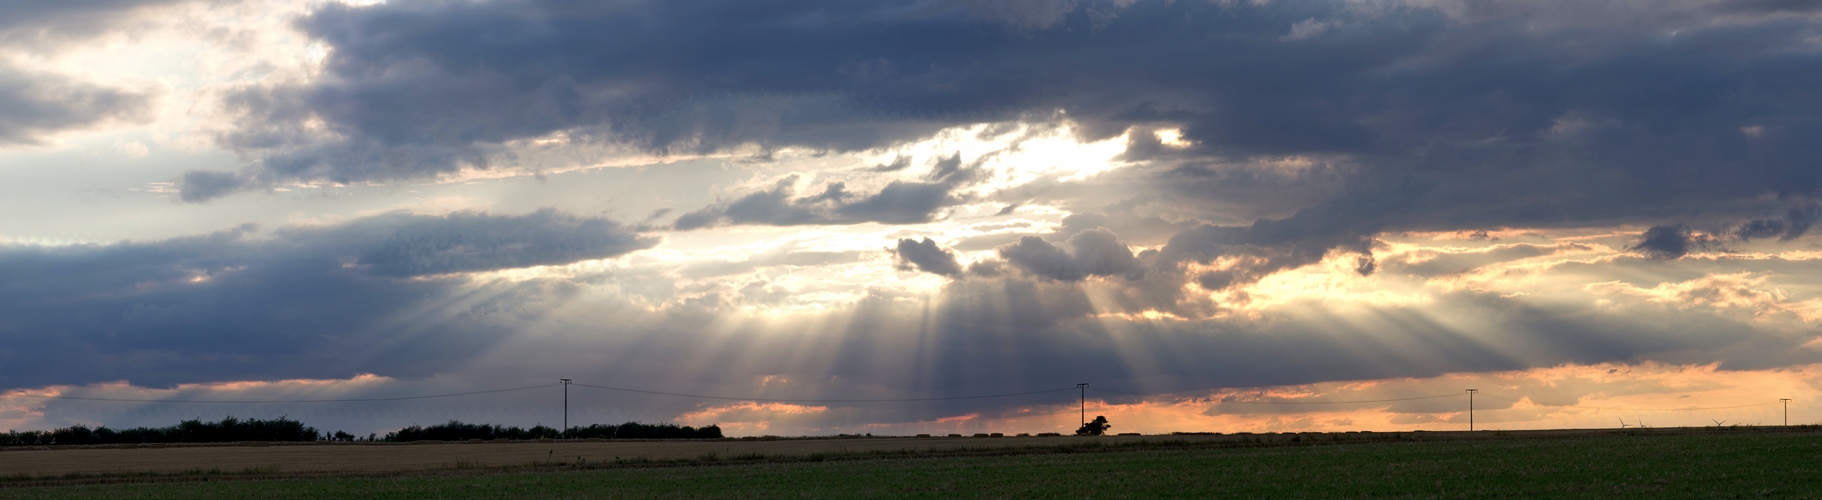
(1569, 396)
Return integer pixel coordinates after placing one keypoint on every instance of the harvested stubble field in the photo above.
(316, 458)
(1656, 463)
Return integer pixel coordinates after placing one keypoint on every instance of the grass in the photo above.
(1714, 465)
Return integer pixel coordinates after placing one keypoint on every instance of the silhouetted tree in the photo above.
(1098, 427)
(189, 431)
(457, 431)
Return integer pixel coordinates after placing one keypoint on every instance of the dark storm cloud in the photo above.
(34, 104)
(371, 295)
(417, 87)
(1465, 89)
(927, 257)
(1772, 6)
(1448, 115)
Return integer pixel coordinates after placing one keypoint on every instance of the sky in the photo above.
(845, 217)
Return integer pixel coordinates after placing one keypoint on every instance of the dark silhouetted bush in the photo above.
(1098, 427)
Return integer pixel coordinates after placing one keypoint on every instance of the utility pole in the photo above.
(1084, 388)
(565, 405)
(1786, 411)
(1471, 408)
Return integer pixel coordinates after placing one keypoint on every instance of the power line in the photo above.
(1631, 409)
(1471, 393)
(273, 401)
(765, 400)
(1291, 402)
(889, 400)
(985, 419)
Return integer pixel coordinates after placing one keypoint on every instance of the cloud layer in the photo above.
(852, 199)
(372, 295)
(1494, 113)
(34, 105)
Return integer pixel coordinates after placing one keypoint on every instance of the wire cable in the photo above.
(1619, 408)
(273, 401)
(1336, 402)
(767, 400)
(1091, 388)
(888, 400)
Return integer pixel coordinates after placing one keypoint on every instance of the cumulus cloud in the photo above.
(1092, 252)
(204, 185)
(1670, 242)
(1793, 223)
(1212, 257)
(373, 295)
(927, 257)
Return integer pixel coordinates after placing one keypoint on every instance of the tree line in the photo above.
(229, 429)
(233, 429)
(457, 431)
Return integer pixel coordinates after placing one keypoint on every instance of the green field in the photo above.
(1712, 465)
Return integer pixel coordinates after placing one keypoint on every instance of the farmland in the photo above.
(1638, 464)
